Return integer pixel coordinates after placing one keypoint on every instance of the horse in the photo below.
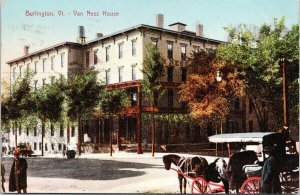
(191, 166)
(215, 174)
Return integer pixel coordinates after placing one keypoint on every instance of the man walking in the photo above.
(18, 174)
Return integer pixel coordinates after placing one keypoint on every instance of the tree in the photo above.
(83, 92)
(111, 104)
(153, 67)
(19, 106)
(260, 53)
(49, 100)
(206, 97)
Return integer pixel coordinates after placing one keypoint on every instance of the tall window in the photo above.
(107, 76)
(170, 98)
(107, 54)
(237, 104)
(120, 50)
(27, 68)
(52, 146)
(95, 57)
(35, 67)
(46, 147)
(250, 126)
(170, 50)
(120, 74)
(34, 146)
(40, 146)
(62, 58)
(170, 74)
(250, 106)
(34, 131)
(133, 98)
(133, 50)
(35, 85)
(87, 59)
(20, 67)
(61, 132)
(133, 73)
(72, 131)
(196, 49)
(52, 63)
(44, 61)
(14, 73)
(20, 130)
(183, 74)
(27, 131)
(52, 129)
(59, 146)
(44, 82)
(154, 42)
(183, 52)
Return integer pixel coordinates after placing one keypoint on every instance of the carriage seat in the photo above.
(252, 170)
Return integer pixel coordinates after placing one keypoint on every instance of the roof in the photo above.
(177, 23)
(43, 50)
(256, 137)
(109, 36)
(152, 28)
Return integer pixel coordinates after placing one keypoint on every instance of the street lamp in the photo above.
(219, 79)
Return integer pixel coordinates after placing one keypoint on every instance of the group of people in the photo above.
(18, 174)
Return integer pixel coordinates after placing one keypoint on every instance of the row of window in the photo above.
(60, 146)
(108, 50)
(52, 131)
(62, 57)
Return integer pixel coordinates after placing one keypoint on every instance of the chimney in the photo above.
(159, 20)
(81, 35)
(26, 50)
(178, 26)
(199, 29)
(99, 35)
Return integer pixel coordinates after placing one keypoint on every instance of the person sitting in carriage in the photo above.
(270, 172)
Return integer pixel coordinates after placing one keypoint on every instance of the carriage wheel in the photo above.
(289, 182)
(251, 186)
(199, 185)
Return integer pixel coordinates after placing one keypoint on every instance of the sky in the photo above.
(18, 30)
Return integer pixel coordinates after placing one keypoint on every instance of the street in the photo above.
(91, 173)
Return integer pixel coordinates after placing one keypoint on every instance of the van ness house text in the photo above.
(73, 13)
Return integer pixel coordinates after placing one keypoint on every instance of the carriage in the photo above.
(244, 167)
(242, 174)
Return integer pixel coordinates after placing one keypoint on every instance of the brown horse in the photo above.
(190, 166)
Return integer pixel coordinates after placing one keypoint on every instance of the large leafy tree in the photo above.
(260, 52)
(153, 68)
(209, 90)
(49, 104)
(83, 92)
(18, 108)
(111, 105)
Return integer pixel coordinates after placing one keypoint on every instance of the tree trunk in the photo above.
(153, 131)
(43, 134)
(118, 133)
(110, 139)
(79, 136)
(68, 133)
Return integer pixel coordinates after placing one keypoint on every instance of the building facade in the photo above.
(119, 59)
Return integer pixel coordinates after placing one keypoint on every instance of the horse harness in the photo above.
(185, 165)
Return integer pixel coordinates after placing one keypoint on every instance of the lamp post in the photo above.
(219, 79)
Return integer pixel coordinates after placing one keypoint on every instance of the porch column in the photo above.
(139, 119)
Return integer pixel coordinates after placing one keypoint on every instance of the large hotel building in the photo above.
(119, 57)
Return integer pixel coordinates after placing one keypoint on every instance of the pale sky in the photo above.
(18, 30)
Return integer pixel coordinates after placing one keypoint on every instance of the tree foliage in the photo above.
(260, 52)
(206, 97)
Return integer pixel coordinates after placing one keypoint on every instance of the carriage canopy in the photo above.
(251, 137)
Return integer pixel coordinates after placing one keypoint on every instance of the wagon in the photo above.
(244, 168)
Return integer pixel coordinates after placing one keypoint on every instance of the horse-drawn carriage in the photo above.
(243, 172)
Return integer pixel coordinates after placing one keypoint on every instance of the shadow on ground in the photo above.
(83, 169)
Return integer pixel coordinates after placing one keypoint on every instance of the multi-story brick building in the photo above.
(119, 57)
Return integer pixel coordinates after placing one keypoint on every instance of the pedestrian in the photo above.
(270, 172)
(2, 176)
(18, 174)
